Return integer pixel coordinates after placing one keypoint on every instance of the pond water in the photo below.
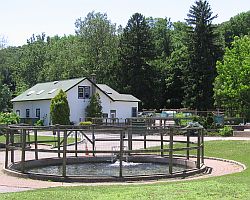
(107, 169)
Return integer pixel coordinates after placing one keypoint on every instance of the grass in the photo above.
(234, 186)
(41, 138)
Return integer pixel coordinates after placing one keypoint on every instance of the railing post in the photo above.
(93, 140)
(36, 151)
(64, 153)
(145, 139)
(121, 153)
(58, 140)
(7, 148)
(198, 164)
(202, 148)
(162, 144)
(130, 143)
(171, 139)
(188, 143)
(76, 143)
(23, 132)
(12, 153)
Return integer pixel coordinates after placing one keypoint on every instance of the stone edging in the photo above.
(229, 161)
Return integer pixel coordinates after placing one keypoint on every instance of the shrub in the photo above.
(9, 118)
(183, 119)
(226, 131)
(87, 123)
(207, 122)
(59, 109)
(94, 109)
(39, 123)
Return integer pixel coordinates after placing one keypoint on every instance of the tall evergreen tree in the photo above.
(59, 109)
(94, 109)
(135, 75)
(203, 54)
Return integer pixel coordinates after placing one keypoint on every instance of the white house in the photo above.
(34, 103)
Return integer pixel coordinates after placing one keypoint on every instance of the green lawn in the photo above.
(42, 138)
(235, 186)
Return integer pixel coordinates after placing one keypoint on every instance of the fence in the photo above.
(98, 142)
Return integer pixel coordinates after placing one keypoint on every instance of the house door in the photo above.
(38, 115)
(134, 112)
(112, 113)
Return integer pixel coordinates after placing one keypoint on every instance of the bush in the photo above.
(39, 123)
(207, 122)
(94, 109)
(212, 133)
(183, 119)
(226, 131)
(87, 123)
(59, 109)
(9, 118)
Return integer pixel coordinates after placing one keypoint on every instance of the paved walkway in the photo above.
(14, 184)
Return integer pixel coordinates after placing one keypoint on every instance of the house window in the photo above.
(105, 115)
(38, 113)
(27, 113)
(86, 92)
(80, 92)
(134, 111)
(83, 92)
(18, 112)
(112, 113)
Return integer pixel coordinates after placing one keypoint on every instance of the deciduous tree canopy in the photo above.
(165, 64)
(232, 85)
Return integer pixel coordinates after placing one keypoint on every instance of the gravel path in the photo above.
(14, 184)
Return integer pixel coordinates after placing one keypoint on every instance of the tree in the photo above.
(5, 79)
(203, 54)
(32, 58)
(94, 109)
(236, 26)
(63, 59)
(176, 62)
(231, 87)
(3, 42)
(59, 109)
(8, 64)
(161, 30)
(136, 49)
(5, 97)
(98, 44)
(161, 34)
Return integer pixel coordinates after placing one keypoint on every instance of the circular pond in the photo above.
(107, 169)
(101, 169)
(109, 153)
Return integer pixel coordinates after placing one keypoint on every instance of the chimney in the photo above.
(93, 79)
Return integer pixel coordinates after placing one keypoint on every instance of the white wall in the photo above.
(43, 105)
(105, 102)
(77, 106)
(123, 109)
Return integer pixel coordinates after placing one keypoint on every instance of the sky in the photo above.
(19, 19)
